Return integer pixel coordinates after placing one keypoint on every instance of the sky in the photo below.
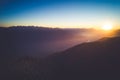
(60, 13)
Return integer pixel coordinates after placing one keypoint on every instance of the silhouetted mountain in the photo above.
(41, 41)
(99, 60)
(20, 44)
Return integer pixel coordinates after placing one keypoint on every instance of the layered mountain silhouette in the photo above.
(99, 60)
(41, 41)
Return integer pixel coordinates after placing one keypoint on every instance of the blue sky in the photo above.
(59, 13)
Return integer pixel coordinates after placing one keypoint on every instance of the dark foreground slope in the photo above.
(23, 47)
(98, 60)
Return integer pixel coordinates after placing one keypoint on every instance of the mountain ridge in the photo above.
(92, 60)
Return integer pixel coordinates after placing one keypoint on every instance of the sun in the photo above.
(107, 27)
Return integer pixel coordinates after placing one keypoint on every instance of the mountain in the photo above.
(96, 60)
(23, 47)
(40, 41)
(99, 60)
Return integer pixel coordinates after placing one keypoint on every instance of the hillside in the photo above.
(99, 60)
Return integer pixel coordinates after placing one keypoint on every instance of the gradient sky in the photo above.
(60, 13)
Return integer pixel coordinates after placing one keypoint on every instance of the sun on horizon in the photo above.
(107, 27)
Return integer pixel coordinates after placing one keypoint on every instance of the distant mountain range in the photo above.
(95, 60)
(42, 41)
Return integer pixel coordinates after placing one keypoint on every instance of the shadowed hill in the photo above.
(99, 60)
(22, 47)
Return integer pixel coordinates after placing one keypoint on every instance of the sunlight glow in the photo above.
(107, 27)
